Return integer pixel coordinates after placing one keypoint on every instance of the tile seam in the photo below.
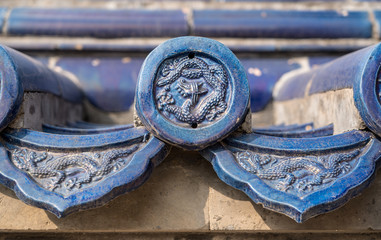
(6, 21)
(188, 12)
(375, 25)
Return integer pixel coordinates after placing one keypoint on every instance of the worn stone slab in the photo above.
(335, 107)
(39, 108)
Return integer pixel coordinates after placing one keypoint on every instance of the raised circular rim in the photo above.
(192, 138)
(365, 94)
(11, 91)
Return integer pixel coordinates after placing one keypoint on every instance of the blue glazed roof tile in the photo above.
(282, 24)
(97, 23)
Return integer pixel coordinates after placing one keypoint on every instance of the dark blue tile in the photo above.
(108, 82)
(317, 61)
(146, 48)
(282, 24)
(314, 47)
(262, 75)
(42, 59)
(343, 72)
(97, 22)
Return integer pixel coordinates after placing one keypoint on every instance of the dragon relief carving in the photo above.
(194, 79)
(67, 172)
(305, 173)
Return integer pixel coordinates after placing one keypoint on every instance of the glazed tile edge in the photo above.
(124, 79)
(281, 24)
(210, 23)
(20, 74)
(315, 203)
(179, 130)
(140, 162)
(73, 130)
(358, 71)
(298, 131)
(97, 23)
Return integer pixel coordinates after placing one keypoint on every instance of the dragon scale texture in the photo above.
(275, 168)
(211, 106)
(42, 165)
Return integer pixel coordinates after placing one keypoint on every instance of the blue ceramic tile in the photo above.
(101, 166)
(262, 74)
(342, 73)
(146, 48)
(282, 24)
(329, 48)
(20, 74)
(273, 171)
(359, 72)
(305, 131)
(97, 23)
(78, 131)
(192, 92)
(320, 60)
(108, 82)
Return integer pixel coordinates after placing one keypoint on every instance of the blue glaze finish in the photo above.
(41, 140)
(69, 192)
(358, 71)
(340, 73)
(19, 74)
(170, 62)
(88, 125)
(298, 146)
(68, 130)
(97, 22)
(114, 90)
(11, 91)
(367, 92)
(35, 77)
(303, 133)
(108, 83)
(262, 75)
(286, 128)
(281, 24)
(112, 81)
(297, 192)
(316, 61)
(270, 47)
